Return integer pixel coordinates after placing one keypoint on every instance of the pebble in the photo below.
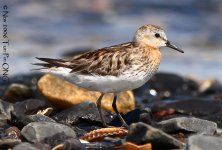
(5, 109)
(191, 124)
(47, 132)
(36, 118)
(29, 106)
(141, 133)
(17, 92)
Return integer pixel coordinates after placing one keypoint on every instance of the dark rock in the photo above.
(17, 92)
(169, 85)
(200, 142)
(130, 117)
(47, 132)
(6, 108)
(84, 112)
(141, 133)
(144, 115)
(29, 146)
(215, 117)
(188, 124)
(145, 95)
(29, 80)
(196, 107)
(30, 106)
(36, 118)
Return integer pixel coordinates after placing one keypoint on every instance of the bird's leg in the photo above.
(117, 112)
(98, 104)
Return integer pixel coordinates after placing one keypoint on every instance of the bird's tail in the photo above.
(50, 63)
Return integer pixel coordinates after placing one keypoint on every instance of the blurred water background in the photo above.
(50, 28)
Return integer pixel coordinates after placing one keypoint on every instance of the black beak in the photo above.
(168, 44)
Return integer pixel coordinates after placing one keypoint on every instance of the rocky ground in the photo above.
(43, 112)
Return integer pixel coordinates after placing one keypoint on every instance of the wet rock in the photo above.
(141, 133)
(215, 117)
(85, 111)
(146, 116)
(30, 106)
(64, 94)
(201, 142)
(196, 107)
(130, 117)
(17, 92)
(188, 124)
(169, 85)
(143, 115)
(145, 95)
(47, 132)
(5, 109)
(36, 118)
(29, 146)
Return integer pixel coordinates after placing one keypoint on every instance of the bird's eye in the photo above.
(157, 35)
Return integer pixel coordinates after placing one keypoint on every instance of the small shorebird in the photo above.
(116, 68)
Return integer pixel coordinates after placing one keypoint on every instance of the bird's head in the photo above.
(153, 36)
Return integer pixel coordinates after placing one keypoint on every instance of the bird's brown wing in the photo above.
(105, 61)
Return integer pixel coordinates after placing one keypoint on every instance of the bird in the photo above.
(113, 69)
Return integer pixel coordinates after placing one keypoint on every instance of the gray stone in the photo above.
(47, 132)
(141, 133)
(6, 108)
(29, 106)
(188, 124)
(86, 110)
(201, 142)
(36, 118)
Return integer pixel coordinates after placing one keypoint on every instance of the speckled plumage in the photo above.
(116, 68)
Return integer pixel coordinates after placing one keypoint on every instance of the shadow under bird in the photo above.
(116, 68)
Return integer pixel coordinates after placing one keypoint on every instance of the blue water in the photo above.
(51, 28)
